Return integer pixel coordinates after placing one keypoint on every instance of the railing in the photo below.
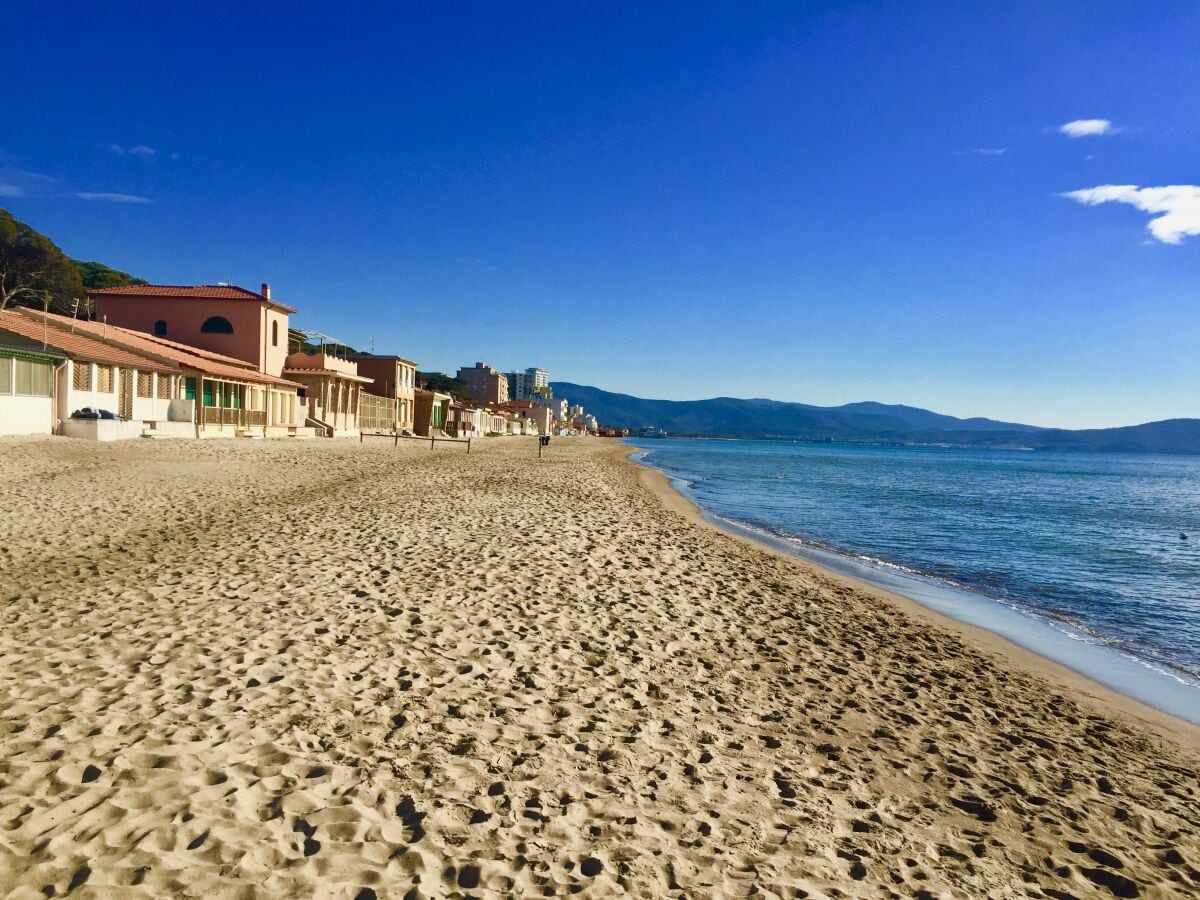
(396, 436)
(217, 415)
(377, 413)
(222, 415)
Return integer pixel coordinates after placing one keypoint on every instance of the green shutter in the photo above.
(189, 388)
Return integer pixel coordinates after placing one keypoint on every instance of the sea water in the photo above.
(1076, 556)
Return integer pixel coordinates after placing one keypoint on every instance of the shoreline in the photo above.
(1087, 689)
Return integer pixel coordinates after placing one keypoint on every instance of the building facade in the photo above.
(330, 391)
(524, 385)
(27, 375)
(393, 377)
(431, 412)
(483, 384)
(153, 386)
(222, 318)
(537, 417)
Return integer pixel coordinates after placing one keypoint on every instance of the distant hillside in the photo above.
(868, 422)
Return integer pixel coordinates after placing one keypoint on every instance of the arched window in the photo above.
(160, 328)
(274, 334)
(217, 325)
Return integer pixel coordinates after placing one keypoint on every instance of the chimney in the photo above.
(266, 291)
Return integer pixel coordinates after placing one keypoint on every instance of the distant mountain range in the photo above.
(876, 423)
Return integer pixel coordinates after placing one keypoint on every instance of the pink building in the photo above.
(222, 318)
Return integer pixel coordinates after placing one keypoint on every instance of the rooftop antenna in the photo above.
(372, 346)
(74, 312)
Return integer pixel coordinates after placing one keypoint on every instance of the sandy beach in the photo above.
(332, 669)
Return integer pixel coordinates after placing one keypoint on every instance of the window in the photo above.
(274, 334)
(104, 379)
(144, 386)
(32, 379)
(207, 400)
(81, 376)
(217, 325)
(6, 365)
(163, 384)
(160, 328)
(189, 389)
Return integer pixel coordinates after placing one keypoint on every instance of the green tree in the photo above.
(97, 276)
(33, 271)
(443, 383)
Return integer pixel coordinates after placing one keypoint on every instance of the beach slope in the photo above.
(271, 669)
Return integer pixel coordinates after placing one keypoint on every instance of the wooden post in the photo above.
(431, 440)
(360, 436)
(539, 448)
(396, 442)
(468, 446)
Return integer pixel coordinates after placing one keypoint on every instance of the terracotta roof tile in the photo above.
(194, 291)
(77, 345)
(222, 291)
(177, 355)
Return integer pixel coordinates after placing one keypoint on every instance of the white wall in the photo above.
(145, 409)
(100, 429)
(26, 415)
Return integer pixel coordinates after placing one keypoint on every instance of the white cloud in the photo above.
(983, 151)
(10, 190)
(1087, 128)
(110, 198)
(1175, 208)
(139, 150)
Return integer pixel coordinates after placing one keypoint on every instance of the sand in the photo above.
(332, 669)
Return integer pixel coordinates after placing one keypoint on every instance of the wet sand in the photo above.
(269, 669)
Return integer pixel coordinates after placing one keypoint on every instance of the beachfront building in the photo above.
(557, 407)
(495, 420)
(537, 416)
(394, 378)
(523, 385)
(431, 412)
(483, 384)
(329, 391)
(464, 420)
(91, 374)
(156, 387)
(222, 318)
(27, 376)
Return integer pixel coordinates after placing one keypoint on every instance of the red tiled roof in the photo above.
(195, 291)
(77, 345)
(180, 355)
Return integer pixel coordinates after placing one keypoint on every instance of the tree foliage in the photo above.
(96, 276)
(33, 270)
(442, 383)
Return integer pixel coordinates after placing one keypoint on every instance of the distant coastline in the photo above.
(874, 424)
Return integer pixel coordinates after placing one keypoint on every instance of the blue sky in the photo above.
(813, 202)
